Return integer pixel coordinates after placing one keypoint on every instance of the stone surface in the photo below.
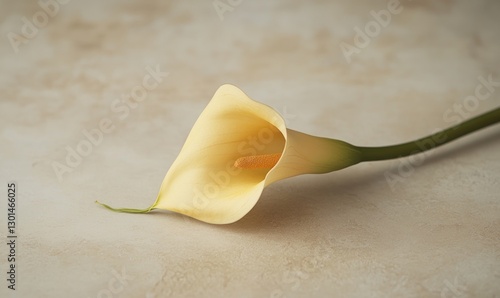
(432, 232)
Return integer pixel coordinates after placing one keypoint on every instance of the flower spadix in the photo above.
(236, 148)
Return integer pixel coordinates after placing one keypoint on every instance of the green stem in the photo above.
(432, 141)
(126, 210)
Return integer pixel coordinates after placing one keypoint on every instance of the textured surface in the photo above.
(431, 230)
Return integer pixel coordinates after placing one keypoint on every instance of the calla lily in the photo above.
(239, 146)
(236, 148)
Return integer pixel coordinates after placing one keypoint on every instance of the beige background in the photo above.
(434, 233)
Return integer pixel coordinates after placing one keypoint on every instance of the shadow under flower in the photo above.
(296, 203)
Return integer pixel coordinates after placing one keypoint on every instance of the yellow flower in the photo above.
(239, 146)
(236, 148)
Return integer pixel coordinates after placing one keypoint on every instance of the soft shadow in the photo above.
(275, 213)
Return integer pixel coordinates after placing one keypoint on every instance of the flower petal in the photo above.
(203, 182)
(306, 154)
